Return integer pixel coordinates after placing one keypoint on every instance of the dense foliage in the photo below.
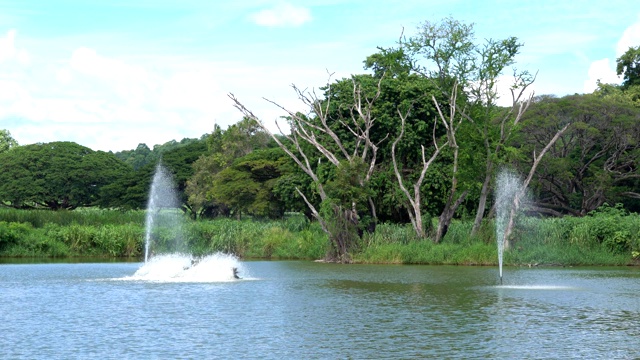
(628, 65)
(596, 161)
(57, 175)
(6, 141)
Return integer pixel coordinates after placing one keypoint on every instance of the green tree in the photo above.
(6, 141)
(137, 158)
(179, 161)
(131, 191)
(467, 73)
(594, 162)
(628, 65)
(389, 62)
(223, 148)
(142, 156)
(57, 175)
(247, 185)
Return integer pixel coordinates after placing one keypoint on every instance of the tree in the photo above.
(389, 62)
(6, 141)
(223, 148)
(179, 161)
(451, 123)
(594, 162)
(521, 192)
(468, 74)
(619, 93)
(128, 191)
(139, 157)
(442, 50)
(247, 185)
(131, 191)
(142, 156)
(57, 175)
(628, 65)
(322, 131)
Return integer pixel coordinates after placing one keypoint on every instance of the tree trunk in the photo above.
(447, 215)
(482, 201)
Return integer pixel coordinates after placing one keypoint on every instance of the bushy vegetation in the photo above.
(92, 216)
(103, 233)
(608, 236)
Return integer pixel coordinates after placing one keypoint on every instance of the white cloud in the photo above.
(129, 83)
(8, 51)
(113, 102)
(191, 90)
(630, 37)
(505, 96)
(283, 14)
(107, 103)
(604, 70)
(601, 70)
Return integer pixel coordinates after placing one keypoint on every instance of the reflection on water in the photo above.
(310, 310)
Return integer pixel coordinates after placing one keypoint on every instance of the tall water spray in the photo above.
(163, 225)
(507, 186)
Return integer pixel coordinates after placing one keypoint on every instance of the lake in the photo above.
(171, 309)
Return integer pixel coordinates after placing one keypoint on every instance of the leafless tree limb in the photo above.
(415, 211)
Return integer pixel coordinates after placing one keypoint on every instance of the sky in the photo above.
(111, 74)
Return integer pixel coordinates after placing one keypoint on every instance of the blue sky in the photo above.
(110, 74)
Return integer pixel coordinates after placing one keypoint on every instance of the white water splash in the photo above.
(508, 184)
(184, 268)
(162, 213)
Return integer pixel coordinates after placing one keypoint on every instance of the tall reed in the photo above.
(607, 237)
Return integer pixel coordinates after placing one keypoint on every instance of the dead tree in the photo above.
(452, 123)
(415, 208)
(315, 128)
(520, 193)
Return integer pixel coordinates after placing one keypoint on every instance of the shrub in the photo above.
(12, 233)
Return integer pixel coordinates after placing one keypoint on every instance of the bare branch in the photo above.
(415, 213)
(314, 212)
(523, 189)
(305, 166)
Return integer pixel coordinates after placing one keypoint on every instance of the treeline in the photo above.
(421, 136)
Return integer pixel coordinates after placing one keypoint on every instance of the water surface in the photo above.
(306, 310)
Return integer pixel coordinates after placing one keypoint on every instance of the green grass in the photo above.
(89, 216)
(103, 233)
(607, 237)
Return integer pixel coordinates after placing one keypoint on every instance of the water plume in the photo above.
(508, 185)
(164, 220)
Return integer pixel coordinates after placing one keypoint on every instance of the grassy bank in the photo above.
(607, 237)
(100, 233)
